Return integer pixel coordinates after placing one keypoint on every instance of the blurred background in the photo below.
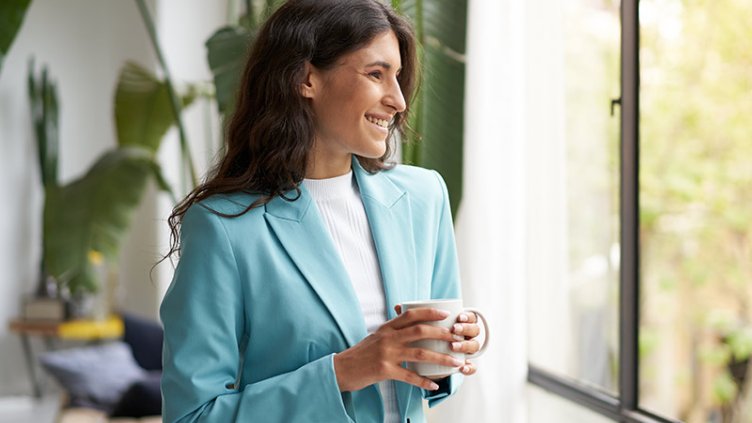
(111, 110)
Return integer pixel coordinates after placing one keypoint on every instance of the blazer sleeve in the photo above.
(445, 283)
(203, 314)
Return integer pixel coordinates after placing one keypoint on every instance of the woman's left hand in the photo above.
(465, 331)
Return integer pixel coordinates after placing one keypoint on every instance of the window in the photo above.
(574, 203)
(642, 311)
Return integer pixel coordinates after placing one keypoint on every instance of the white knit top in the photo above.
(339, 203)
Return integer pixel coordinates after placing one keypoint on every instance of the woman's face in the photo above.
(355, 101)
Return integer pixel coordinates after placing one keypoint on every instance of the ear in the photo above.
(308, 85)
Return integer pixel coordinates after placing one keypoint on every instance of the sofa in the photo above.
(116, 381)
(90, 415)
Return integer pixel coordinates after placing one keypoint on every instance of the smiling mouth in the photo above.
(379, 122)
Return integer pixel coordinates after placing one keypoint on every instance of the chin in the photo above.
(376, 152)
(373, 154)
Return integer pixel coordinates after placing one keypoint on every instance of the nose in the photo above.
(394, 97)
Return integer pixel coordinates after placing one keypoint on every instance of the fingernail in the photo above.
(457, 328)
(456, 346)
(462, 317)
(457, 362)
(465, 369)
(443, 313)
(458, 337)
(434, 386)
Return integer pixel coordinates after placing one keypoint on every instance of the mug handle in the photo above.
(485, 330)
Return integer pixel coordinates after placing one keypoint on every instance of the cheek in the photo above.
(345, 103)
(358, 96)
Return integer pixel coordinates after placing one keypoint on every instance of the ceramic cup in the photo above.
(454, 307)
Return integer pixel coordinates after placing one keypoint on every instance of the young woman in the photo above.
(297, 250)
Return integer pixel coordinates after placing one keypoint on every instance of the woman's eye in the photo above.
(375, 74)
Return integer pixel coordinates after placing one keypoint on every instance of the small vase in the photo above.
(80, 306)
(46, 286)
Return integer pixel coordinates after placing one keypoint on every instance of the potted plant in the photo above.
(86, 219)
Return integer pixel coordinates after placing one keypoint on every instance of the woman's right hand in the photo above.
(380, 355)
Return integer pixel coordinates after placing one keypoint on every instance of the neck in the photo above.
(319, 168)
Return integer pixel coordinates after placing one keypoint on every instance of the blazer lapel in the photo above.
(390, 219)
(301, 231)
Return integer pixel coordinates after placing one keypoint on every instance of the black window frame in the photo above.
(624, 407)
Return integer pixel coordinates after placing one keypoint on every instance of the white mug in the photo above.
(454, 307)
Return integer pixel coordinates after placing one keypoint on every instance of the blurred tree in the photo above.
(696, 191)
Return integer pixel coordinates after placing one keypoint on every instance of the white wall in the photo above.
(84, 43)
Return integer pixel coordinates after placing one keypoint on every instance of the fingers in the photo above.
(424, 331)
(468, 369)
(415, 315)
(468, 330)
(407, 376)
(421, 355)
(467, 317)
(467, 347)
(413, 378)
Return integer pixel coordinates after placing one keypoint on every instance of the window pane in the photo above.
(573, 218)
(696, 208)
(544, 407)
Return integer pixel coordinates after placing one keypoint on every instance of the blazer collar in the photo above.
(374, 186)
(302, 233)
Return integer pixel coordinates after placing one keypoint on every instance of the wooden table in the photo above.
(51, 331)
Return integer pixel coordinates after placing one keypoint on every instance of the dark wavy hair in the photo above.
(271, 132)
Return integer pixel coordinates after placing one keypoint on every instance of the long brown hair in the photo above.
(271, 132)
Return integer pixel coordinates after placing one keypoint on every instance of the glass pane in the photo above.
(544, 407)
(696, 209)
(573, 203)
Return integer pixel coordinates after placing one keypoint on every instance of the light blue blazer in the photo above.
(260, 303)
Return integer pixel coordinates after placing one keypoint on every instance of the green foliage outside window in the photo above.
(696, 205)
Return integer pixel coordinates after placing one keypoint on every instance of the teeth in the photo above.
(381, 122)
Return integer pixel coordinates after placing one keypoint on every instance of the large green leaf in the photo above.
(228, 47)
(89, 217)
(438, 110)
(86, 220)
(226, 53)
(142, 108)
(12, 13)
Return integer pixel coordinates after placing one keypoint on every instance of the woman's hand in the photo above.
(466, 330)
(380, 355)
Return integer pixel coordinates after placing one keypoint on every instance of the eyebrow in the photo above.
(383, 64)
(380, 63)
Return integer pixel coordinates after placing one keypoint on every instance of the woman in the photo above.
(297, 251)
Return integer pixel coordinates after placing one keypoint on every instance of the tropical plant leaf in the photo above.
(228, 47)
(142, 108)
(44, 115)
(226, 53)
(438, 110)
(162, 181)
(92, 214)
(12, 14)
(270, 7)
